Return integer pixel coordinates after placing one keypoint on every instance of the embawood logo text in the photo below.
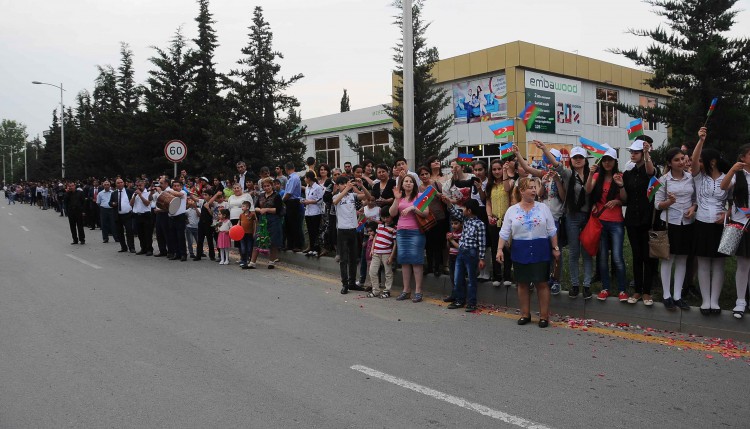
(555, 86)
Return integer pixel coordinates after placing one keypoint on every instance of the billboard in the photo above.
(483, 99)
(560, 103)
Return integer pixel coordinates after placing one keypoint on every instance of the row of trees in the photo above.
(121, 127)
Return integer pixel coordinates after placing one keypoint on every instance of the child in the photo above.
(471, 248)
(382, 252)
(453, 238)
(248, 223)
(223, 242)
(191, 229)
(371, 210)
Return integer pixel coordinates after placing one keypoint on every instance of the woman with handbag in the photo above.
(532, 228)
(577, 208)
(676, 199)
(739, 177)
(604, 186)
(708, 170)
(435, 236)
(409, 239)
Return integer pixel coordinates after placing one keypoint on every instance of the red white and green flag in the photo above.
(503, 129)
(635, 129)
(425, 198)
(464, 158)
(528, 115)
(594, 149)
(653, 186)
(506, 150)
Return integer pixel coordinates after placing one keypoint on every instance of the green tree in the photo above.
(12, 139)
(265, 123)
(345, 102)
(128, 90)
(431, 130)
(694, 62)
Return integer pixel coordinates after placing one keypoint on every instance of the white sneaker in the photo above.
(496, 283)
(507, 283)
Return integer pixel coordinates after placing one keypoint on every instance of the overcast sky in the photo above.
(336, 44)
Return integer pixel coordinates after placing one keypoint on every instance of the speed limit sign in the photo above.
(175, 150)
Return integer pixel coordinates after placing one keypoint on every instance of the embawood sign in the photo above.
(554, 84)
(560, 103)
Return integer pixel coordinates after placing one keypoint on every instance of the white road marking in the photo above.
(10, 214)
(455, 400)
(24, 228)
(83, 261)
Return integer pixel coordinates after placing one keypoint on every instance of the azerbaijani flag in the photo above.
(361, 221)
(464, 158)
(503, 129)
(506, 150)
(595, 149)
(744, 210)
(425, 199)
(653, 186)
(528, 115)
(712, 106)
(635, 129)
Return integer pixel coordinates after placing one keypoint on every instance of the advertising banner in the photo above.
(560, 101)
(483, 99)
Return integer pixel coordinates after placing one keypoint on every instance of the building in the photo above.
(576, 96)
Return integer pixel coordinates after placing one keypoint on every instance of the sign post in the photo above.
(175, 151)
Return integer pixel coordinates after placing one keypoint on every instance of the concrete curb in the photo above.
(611, 310)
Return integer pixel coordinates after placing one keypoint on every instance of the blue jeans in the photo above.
(192, 237)
(246, 248)
(613, 235)
(575, 223)
(467, 262)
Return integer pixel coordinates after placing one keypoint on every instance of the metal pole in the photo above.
(4, 167)
(62, 131)
(11, 163)
(25, 164)
(175, 172)
(408, 85)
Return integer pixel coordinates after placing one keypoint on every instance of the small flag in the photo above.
(712, 106)
(506, 150)
(653, 186)
(528, 115)
(361, 221)
(635, 129)
(425, 199)
(594, 149)
(503, 129)
(464, 158)
(744, 210)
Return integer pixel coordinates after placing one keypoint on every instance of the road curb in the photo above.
(611, 310)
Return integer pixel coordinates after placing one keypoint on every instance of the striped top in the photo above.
(384, 237)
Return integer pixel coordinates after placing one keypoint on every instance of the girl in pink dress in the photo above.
(223, 243)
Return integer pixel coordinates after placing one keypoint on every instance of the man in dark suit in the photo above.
(74, 205)
(120, 201)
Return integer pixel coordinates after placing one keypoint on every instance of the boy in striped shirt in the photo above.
(383, 251)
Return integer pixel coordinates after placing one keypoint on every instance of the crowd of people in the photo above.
(504, 223)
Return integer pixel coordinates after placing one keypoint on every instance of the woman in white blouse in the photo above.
(738, 177)
(708, 170)
(676, 199)
(234, 203)
(531, 226)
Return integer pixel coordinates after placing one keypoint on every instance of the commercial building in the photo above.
(576, 96)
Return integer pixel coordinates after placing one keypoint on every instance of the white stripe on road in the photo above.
(24, 228)
(10, 214)
(455, 400)
(83, 261)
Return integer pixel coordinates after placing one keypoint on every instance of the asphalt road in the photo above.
(93, 338)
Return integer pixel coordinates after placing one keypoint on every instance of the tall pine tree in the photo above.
(345, 102)
(695, 62)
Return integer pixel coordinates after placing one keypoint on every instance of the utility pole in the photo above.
(408, 85)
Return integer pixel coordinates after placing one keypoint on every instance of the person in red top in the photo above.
(606, 194)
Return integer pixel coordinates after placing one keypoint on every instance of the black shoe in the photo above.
(122, 250)
(183, 258)
(587, 293)
(172, 258)
(669, 304)
(170, 255)
(75, 242)
(455, 304)
(524, 320)
(705, 311)
(132, 250)
(149, 253)
(159, 255)
(83, 241)
(682, 304)
(573, 294)
(105, 241)
(140, 252)
(196, 258)
(449, 299)
(470, 308)
(344, 290)
(437, 273)
(213, 258)
(543, 323)
(716, 311)
(357, 288)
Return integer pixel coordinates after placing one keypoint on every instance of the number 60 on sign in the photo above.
(175, 150)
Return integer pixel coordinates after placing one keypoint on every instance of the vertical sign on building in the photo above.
(560, 103)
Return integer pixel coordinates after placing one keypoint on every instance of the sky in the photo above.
(336, 44)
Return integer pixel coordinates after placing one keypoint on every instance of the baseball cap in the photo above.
(578, 151)
(204, 178)
(637, 145)
(610, 153)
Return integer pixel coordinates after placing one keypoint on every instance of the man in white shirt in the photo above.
(120, 202)
(106, 214)
(177, 222)
(143, 219)
(346, 233)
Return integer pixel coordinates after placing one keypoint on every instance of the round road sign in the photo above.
(175, 150)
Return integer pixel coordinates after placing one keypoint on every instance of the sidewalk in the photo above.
(612, 310)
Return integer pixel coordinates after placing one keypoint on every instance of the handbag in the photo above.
(591, 233)
(731, 237)
(426, 223)
(658, 241)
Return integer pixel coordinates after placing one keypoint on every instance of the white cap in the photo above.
(577, 150)
(556, 153)
(611, 153)
(637, 145)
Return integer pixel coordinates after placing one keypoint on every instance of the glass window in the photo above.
(645, 101)
(484, 152)
(606, 112)
(373, 143)
(327, 151)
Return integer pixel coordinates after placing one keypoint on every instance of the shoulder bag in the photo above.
(658, 241)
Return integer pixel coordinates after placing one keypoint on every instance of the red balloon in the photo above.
(236, 233)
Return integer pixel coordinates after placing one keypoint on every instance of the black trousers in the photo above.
(162, 232)
(125, 222)
(293, 226)
(76, 227)
(644, 268)
(348, 252)
(176, 235)
(144, 224)
(205, 232)
(313, 231)
(435, 245)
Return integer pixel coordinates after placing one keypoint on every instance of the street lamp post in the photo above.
(62, 123)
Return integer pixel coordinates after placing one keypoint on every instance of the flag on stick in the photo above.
(506, 150)
(464, 158)
(653, 186)
(528, 115)
(503, 129)
(635, 129)
(594, 149)
(425, 198)
(744, 210)
(712, 106)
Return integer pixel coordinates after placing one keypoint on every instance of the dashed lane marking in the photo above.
(83, 261)
(24, 228)
(455, 400)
